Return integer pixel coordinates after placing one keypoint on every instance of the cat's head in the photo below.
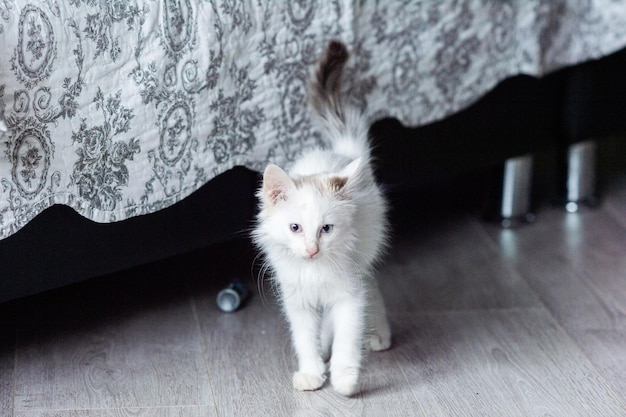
(310, 217)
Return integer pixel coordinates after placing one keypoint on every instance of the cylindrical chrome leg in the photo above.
(516, 190)
(581, 175)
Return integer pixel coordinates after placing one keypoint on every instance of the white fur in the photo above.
(331, 299)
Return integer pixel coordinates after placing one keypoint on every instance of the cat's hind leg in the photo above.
(379, 330)
(380, 338)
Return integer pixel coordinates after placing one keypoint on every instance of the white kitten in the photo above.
(322, 228)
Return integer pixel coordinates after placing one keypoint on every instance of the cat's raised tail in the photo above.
(346, 127)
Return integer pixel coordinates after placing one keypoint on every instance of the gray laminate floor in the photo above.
(487, 322)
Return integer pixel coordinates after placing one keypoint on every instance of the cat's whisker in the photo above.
(263, 270)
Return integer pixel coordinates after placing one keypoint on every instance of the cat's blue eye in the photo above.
(327, 228)
(296, 228)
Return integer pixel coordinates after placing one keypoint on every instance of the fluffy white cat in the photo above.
(322, 227)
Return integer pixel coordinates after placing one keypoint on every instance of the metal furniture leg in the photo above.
(581, 176)
(516, 188)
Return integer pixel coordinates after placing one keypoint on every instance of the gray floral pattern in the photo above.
(124, 107)
(100, 173)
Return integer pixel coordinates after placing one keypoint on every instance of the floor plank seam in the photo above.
(433, 311)
(205, 356)
(408, 383)
(87, 409)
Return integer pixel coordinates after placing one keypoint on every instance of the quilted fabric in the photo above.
(121, 108)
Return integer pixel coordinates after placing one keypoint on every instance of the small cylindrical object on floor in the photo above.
(232, 297)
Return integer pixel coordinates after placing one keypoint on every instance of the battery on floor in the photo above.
(231, 298)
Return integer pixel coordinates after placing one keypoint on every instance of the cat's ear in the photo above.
(349, 177)
(352, 170)
(277, 186)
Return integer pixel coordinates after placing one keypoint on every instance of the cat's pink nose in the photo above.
(312, 250)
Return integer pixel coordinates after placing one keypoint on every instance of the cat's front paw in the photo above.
(307, 382)
(346, 382)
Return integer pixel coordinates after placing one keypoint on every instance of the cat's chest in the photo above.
(308, 273)
(317, 284)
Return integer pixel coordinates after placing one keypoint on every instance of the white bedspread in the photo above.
(120, 108)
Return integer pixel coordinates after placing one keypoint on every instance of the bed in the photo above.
(115, 112)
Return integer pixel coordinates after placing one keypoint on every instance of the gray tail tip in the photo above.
(337, 50)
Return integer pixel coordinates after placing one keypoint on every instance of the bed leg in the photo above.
(581, 176)
(516, 191)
